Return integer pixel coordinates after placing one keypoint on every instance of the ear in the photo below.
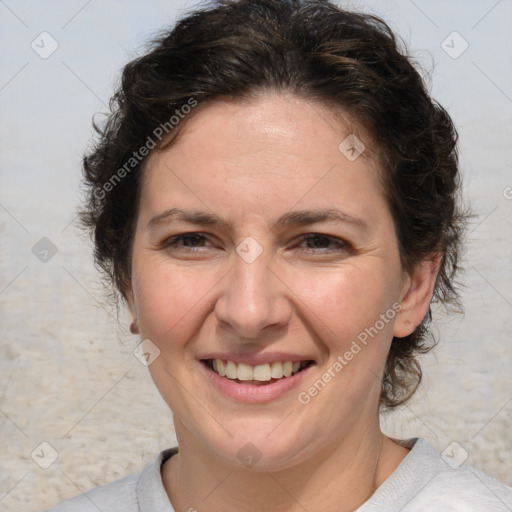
(130, 301)
(134, 326)
(416, 295)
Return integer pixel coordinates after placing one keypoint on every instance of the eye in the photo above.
(324, 243)
(190, 242)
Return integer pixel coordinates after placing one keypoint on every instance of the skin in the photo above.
(249, 163)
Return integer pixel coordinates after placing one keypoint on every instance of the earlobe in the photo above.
(134, 327)
(417, 295)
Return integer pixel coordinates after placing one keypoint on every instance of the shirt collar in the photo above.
(151, 492)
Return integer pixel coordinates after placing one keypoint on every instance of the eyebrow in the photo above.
(295, 218)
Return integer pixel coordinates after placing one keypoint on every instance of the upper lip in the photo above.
(256, 359)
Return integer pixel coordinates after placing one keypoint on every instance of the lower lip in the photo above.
(255, 393)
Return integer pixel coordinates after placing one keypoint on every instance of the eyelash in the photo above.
(172, 242)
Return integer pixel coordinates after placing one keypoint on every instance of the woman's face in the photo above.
(257, 279)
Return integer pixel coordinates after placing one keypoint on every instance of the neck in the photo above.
(340, 477)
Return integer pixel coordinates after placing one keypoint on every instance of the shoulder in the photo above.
(118, 496)
(464, 488)
(144, 488)
(427, 481)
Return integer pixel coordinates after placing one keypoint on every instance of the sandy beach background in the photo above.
(69, 378)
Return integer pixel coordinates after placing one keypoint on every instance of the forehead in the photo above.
(270, 151)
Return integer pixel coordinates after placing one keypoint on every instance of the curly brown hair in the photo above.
(314, 50)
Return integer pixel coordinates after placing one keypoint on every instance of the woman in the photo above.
(275, 197)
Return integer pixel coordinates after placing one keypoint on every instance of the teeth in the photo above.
(244, 372)
(231, 370)
(261, 372)
(221, 367)
(277, 370)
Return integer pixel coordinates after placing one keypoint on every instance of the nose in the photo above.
(253, 304)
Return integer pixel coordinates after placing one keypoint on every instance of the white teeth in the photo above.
(261, 372)
(244, 372)
(277, 370)
(231, 370)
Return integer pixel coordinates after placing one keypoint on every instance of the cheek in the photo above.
(346, 304)
(168, 299)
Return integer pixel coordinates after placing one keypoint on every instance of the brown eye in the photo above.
(324, 243)
(186, 240)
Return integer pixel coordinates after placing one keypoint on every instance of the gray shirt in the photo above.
(423, 481)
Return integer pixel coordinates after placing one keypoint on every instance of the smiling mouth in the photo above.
(261, 374)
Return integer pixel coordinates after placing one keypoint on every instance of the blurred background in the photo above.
(77, 408)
